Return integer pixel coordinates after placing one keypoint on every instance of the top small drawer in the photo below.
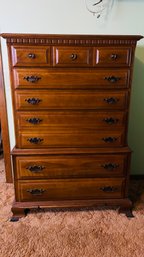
(72, 56)
(30, 55)
(108, 56)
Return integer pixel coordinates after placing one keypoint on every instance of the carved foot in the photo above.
(126, 208)
(14, 219)
(127, 212)
(18, 213)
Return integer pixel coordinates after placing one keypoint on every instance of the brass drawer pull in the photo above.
(114, 56)
(112, 79)
(111, 100)
(111, 120)
(31, 56)
(110, 166)
(109, 139)
(108, 189)
(36, 191)
(73, 57)
(35, 168)
(33, 100)
(35, 140)
(32, 78)
(34, 120)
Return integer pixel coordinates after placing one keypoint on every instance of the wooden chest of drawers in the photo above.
(71, 97)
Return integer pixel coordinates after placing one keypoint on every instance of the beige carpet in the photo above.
(85, 233)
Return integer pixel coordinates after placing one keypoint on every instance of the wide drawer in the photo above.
(71, 166)
(72, 56)
(66, 189)
(71, 79)
(55, 120)
(112, 57)
(30, 55)
(77, 138)
(56, 99)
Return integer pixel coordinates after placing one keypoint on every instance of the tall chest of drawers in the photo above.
(71, 97)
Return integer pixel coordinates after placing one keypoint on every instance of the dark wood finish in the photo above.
(59, 120)
(20, 209)
(72, 79)
(35, 99)
(71, 97)
(85, 40)
(72, 56)
(30, 56)
(4, 127)
(69, 56)
(113, 57)
(74, 189)
(71, 150)
(70, 166)
(70, 139)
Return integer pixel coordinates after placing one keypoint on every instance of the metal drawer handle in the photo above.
(111, 120)
(73, 57)
(108, 189)
(35, 168)
(111, 100)
(32, 78)
(109, 139)
(31, 56)
(110, 166)
(34, 120)
(33, 100)
(36, 191)
(112, 79)
(114, 56)
(35, 140)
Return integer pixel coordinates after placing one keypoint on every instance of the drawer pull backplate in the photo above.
(108, 189)
(33, 100)
(111, 100)
(36, 191)
(112, 79)
(35, 168)
(110, 166)
(32, 79)
(111, 120)
(35, 140)
(34, 120)
(109, 139)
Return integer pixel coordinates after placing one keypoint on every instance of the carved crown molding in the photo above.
(86, 40)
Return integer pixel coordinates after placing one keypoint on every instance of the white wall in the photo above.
(72, 17)
(68, 16)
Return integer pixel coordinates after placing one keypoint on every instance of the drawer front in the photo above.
(55, 99)
(30, 56)
(65, 189)
(109, 56)
(71, 79)
(70, 166)
(70, 139)
(72, 56)
(85, 120)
